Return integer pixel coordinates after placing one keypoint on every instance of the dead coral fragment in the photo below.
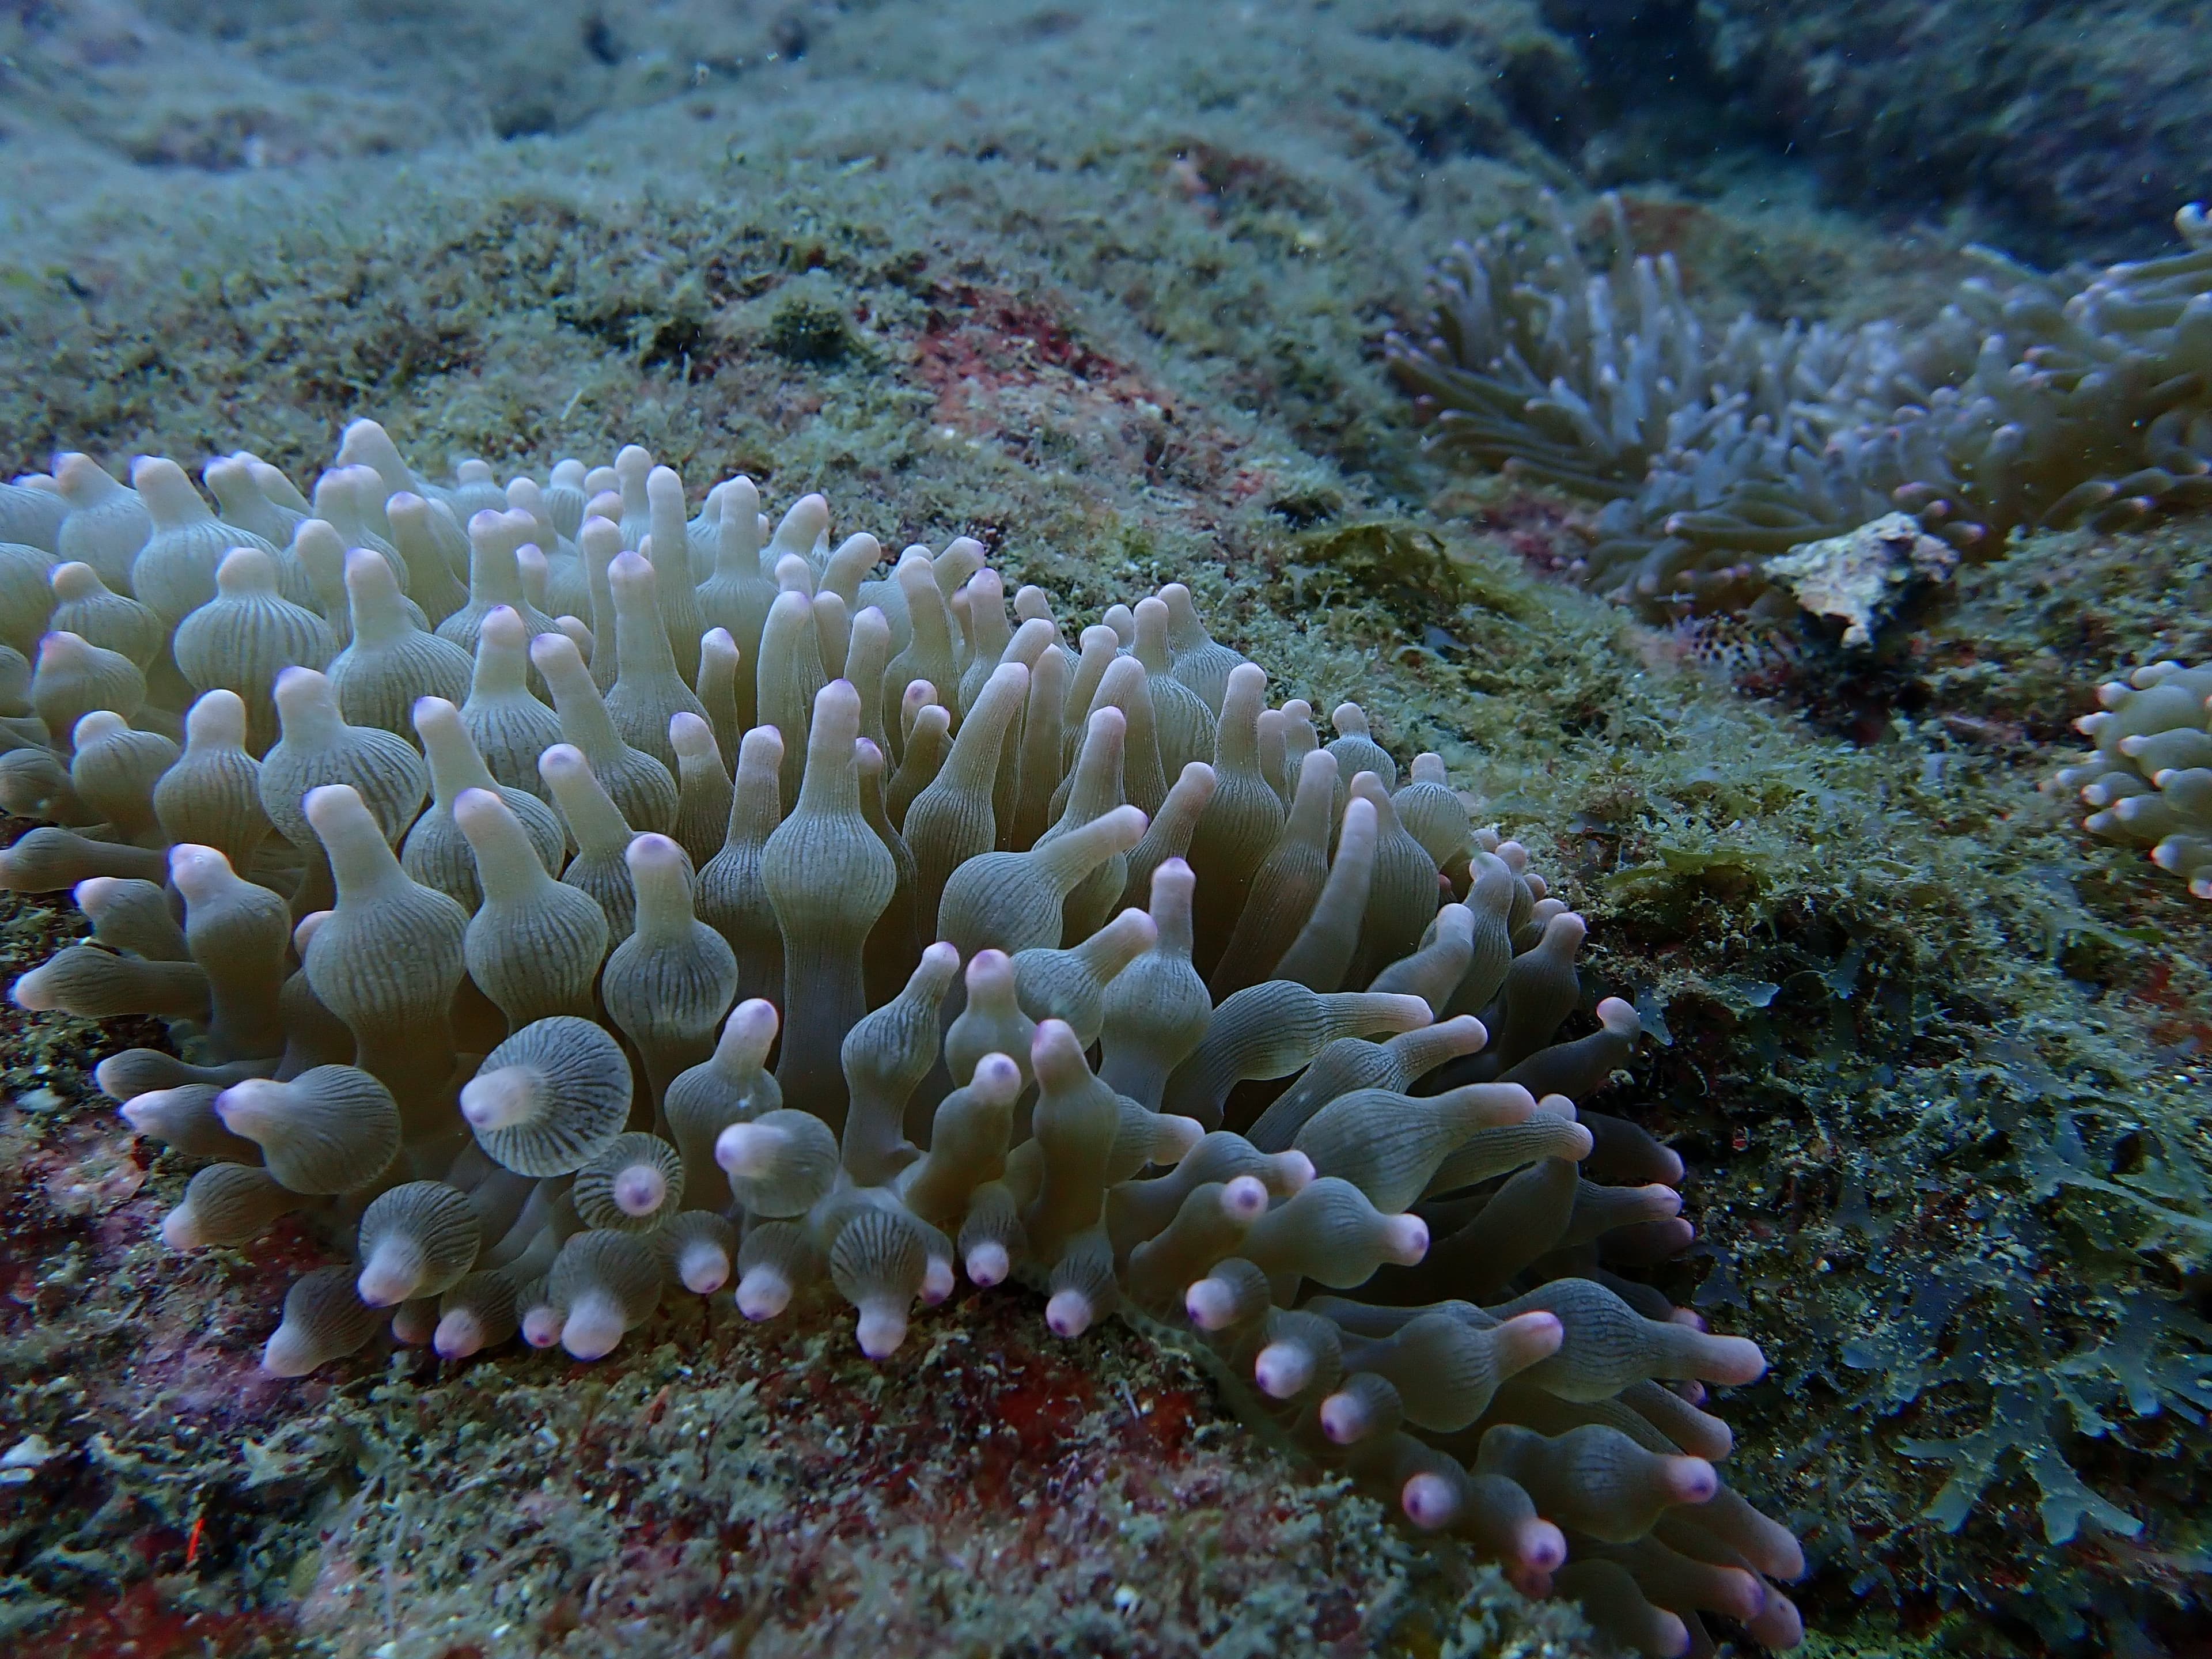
(1125, 985)
(1860, 578)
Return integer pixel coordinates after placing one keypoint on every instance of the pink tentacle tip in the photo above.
(987, 1264)
(1538, 1547)
(1534, 1336)
(937, 1280)
(762, 1294)
(748, 1150)
(594, 1329)
(459, 1334)
(386, 1283)
(541, 1326)
(1405, 1239)
(882, 1329)
(1069, 1313)
(1343, 1419)
(1734, 1360)
(1739, 1595)
(1280, 1370)
(639, 1189)
(704, 1271)
(1429, 1501)
(1244, 1199)
(1779, 1624)
(1690, 1479)
(1210, 1304)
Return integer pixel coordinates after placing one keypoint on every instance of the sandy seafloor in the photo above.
(1106, 286)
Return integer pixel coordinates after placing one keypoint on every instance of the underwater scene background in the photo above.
(1748, 463)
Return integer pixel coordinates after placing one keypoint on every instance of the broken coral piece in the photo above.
(1860, 578)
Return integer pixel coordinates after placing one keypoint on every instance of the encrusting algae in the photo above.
(994, 954)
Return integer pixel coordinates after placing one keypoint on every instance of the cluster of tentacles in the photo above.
(411, 808)
(2034, 400)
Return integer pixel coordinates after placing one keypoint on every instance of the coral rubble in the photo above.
(510, 997)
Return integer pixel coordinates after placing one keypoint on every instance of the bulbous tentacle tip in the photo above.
(749, 1031)
(93, 891)
(1070, 1312)
(386, 1283)
(497, 1099)
(762, 1294)
(197, 872)
(651, 854)
(1173, 1136)
(285, 1354)
(1210, 1304)
(547, 649)
(1244, 1199)
(639, 1189)
(1055, 1052)
(1529, 1337)
(748, 1150)
(1429, 1500)
(1281, 1369)
(937, 1281)
(459, 1334)
(1777, 1624)
(594, 1329)
(1738, 1594)
(249, 1102)
(882, 1328)
(330, 806)
(1294, 1172)
(1732, 1361)
(987, 1264)
(34, 993)
(1619, 1017)
(541, 1326)
(475, 811)
(1345, 1420)
(703, 1272)
(180, 1231)
(1688, 1480)
(1669, 1236)
(1540, 1549)
(997, 1081)
(1405, 1239)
